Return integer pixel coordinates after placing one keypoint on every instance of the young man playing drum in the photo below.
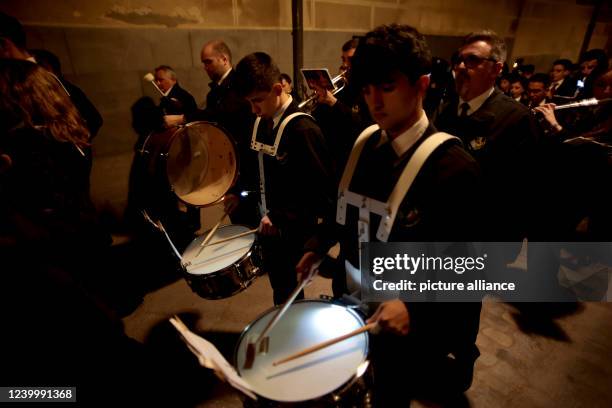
(425, 350)
(295, 175)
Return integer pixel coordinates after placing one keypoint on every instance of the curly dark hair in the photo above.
(389, 49)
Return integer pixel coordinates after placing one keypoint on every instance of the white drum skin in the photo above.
(315, 375)
(222, 270)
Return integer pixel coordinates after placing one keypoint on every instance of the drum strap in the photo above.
(271, 150)
(387, 210)
(366, 205)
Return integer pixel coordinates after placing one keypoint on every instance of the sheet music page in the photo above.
(210, 357)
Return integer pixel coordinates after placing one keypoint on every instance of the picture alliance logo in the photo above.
(411, 264)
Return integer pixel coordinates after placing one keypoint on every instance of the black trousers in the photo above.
(280, 256)
(405, 368)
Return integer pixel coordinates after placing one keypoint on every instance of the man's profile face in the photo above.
(265, 103)
(588, 66)
(346, 59)
(393, 104)
(163, 80)
(537, 92)
(475, 71)
(215, 64)
(558, 73)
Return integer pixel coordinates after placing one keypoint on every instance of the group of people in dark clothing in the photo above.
(337, 175)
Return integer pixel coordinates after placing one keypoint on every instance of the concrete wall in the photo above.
(107, 46)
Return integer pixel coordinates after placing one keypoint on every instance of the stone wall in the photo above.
(107, 46)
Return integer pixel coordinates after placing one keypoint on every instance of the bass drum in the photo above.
(197, 162)
(335, 376)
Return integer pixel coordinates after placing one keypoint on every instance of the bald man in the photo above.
(232, 112)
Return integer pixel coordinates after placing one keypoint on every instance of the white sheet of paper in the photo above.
(210, 357)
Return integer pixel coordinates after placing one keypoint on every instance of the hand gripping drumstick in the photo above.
(368, 327)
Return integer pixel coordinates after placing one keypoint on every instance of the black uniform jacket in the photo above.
(501, 136)
(442, 205)
(299, 181)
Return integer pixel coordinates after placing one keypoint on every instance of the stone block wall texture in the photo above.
(106, 46)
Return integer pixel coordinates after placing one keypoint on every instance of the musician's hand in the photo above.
(548, 111)
(324, 96)
(305, 265)
(173, 120)
(266, 227)
(392, 316)
(230, 203)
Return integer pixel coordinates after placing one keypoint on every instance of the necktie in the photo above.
(386, 153)
(552, 89)
(268, 131)
(465, 107)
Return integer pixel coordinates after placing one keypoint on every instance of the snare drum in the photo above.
(196, 161)
(225, 269)
(332, 376)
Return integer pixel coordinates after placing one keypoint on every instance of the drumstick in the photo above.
(242, 234)
(210, 234)
(263, 340)
(160, 227)
(327, 343)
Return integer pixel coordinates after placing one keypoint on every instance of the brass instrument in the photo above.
(310, 104)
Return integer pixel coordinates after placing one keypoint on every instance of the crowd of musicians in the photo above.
(510, 165)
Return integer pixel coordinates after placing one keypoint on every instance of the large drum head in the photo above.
(201, 164)
(305, 324)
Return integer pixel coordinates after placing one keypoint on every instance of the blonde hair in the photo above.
(35, 97)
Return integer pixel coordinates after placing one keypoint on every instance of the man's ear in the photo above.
(423, 84)
(497, 68)
(5, 163)
(277, 88)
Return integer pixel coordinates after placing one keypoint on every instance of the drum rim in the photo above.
(327, 302)
(236, 159)
(243, 285)
(238, 262)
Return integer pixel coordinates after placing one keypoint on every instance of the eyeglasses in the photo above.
(472, 60)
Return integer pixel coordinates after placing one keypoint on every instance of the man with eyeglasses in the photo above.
(495, 130)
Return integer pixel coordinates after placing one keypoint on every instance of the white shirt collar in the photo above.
(32, 59)
(558, 83)
(518, 99)
(224, 76)
(402, 143)
(279, 113)
(476, 102)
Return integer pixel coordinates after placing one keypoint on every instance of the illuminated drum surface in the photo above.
(305, 324)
